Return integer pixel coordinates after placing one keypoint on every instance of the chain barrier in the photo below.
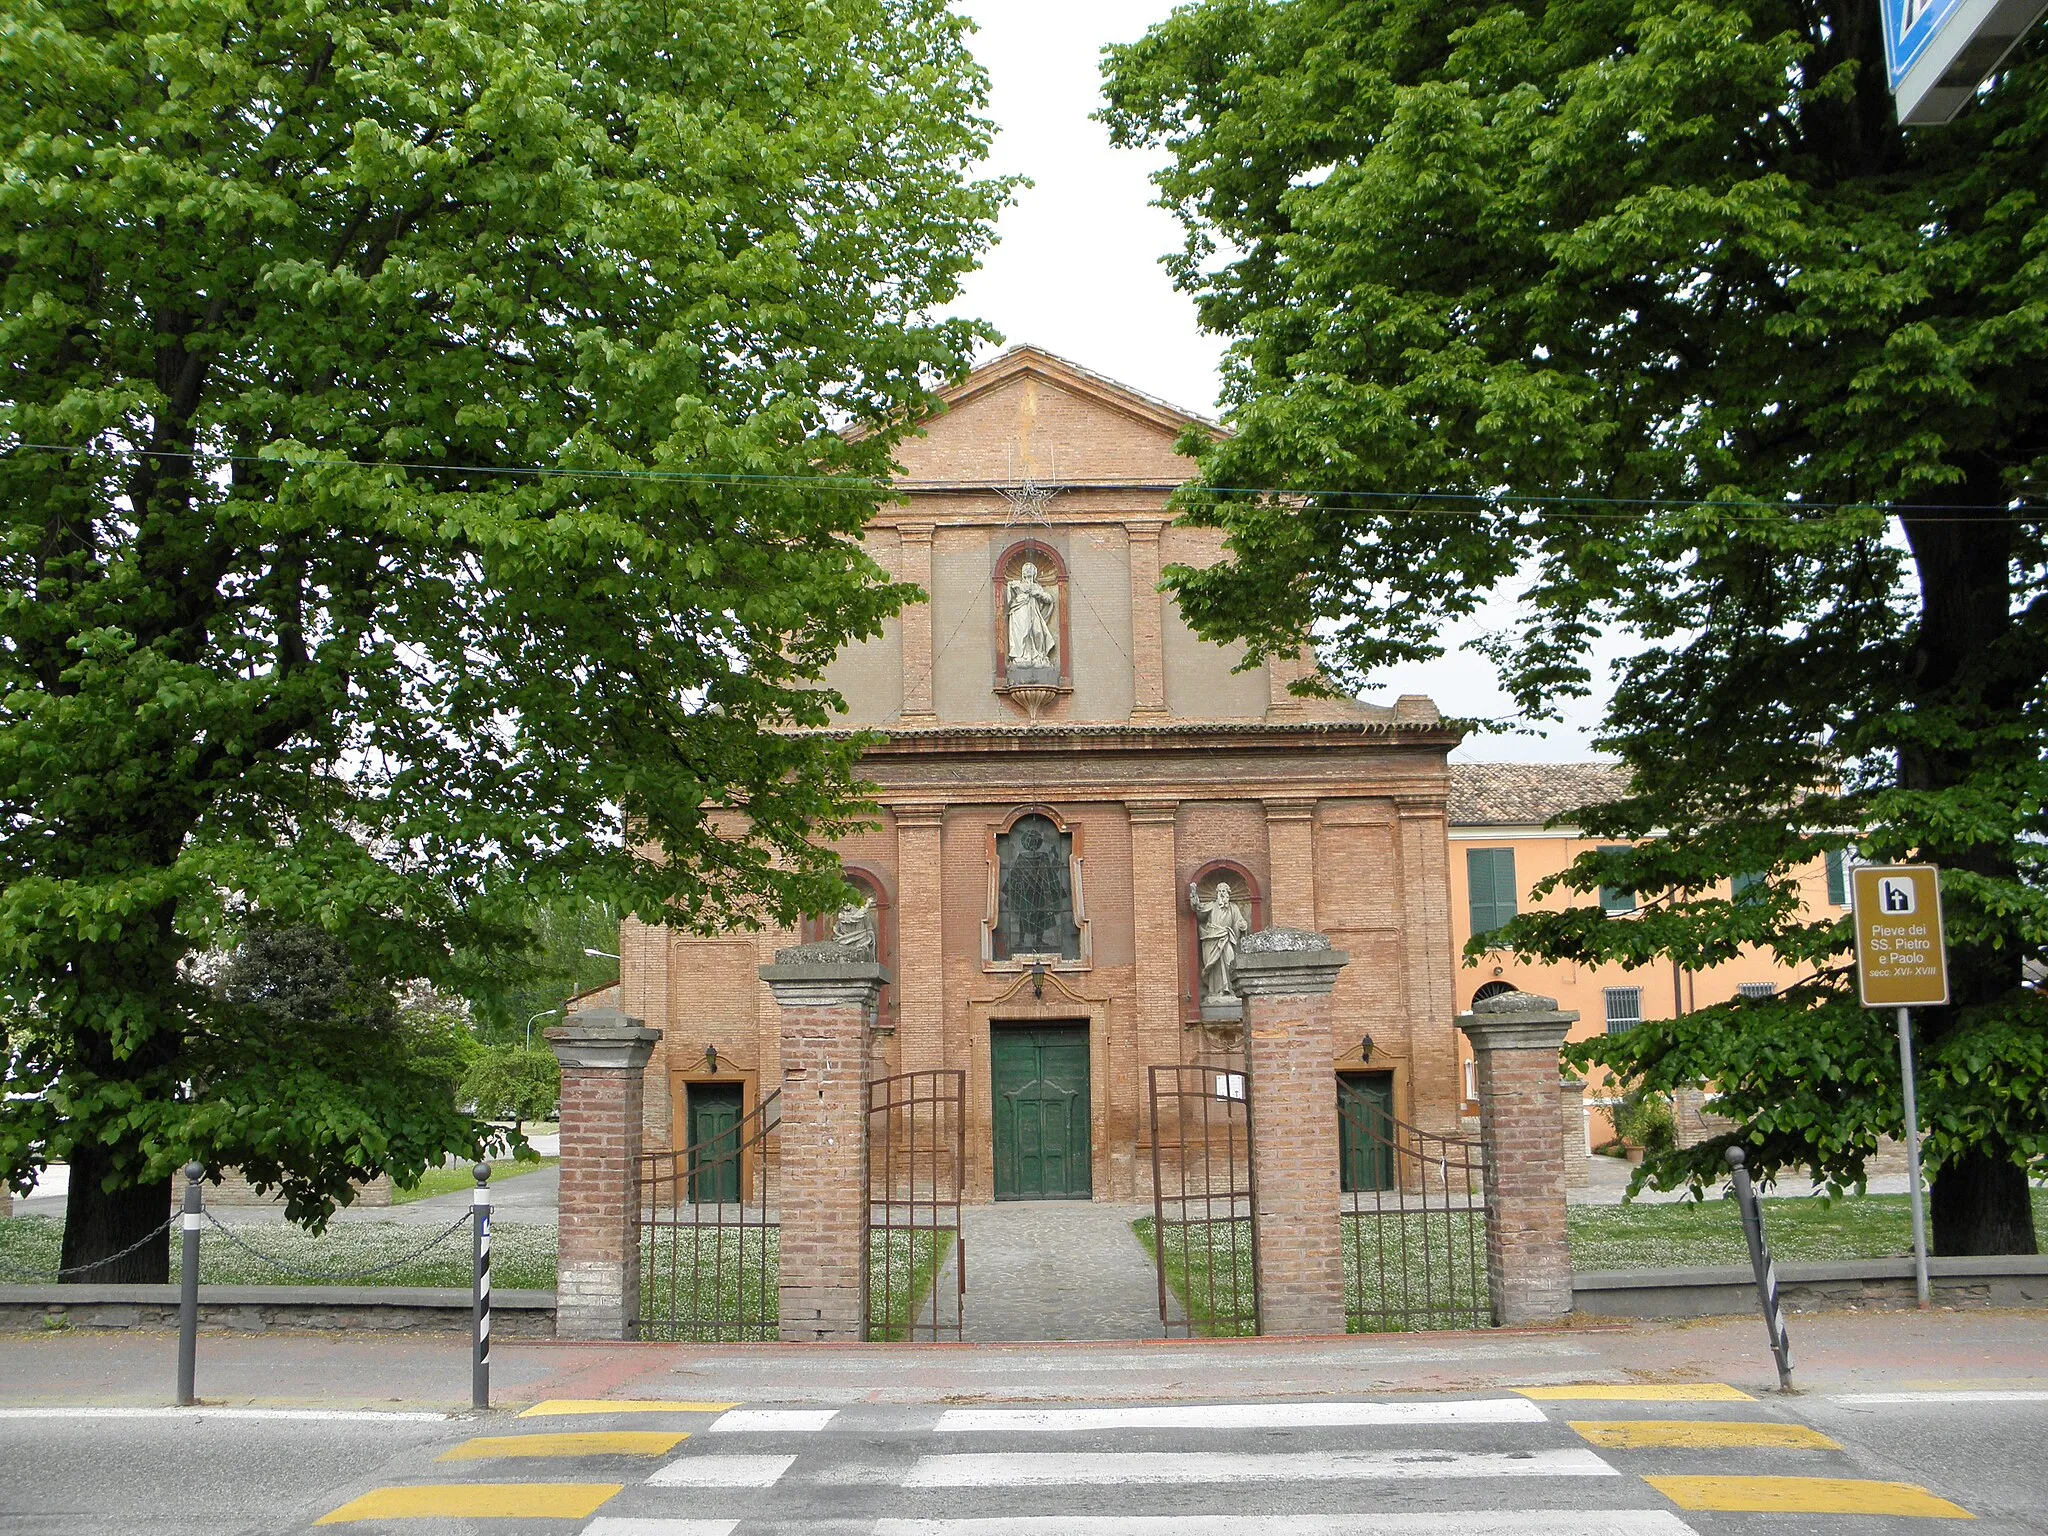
(316, 1277)
(30, 1277)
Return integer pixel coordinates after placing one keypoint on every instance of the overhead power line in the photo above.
(1427, 503)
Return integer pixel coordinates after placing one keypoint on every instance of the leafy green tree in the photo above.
(415, 415)
(509, 1082)
(1649, 314)
(509, 991)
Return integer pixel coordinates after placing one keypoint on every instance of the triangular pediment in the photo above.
(1028, 415)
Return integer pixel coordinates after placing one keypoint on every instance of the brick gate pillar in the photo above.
(1515, 1040)
(1284, 976)
(597, 1265)
(826, 996)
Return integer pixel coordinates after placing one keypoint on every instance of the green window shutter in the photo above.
(1838, 877)
(1742, 885)
(1612, 897)
(1490, 882)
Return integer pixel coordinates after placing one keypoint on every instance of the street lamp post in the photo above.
(529, 1024)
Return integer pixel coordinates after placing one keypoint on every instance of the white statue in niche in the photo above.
(1221, 925)
(1033, 611)
(855, 928)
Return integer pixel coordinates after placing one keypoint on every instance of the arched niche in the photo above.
(1245, 891)
(1008, 944)
(872, 884)
(1052, 570)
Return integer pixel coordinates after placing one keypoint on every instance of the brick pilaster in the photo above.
(1281, 671)
(920, 959)
(916, 621)
(1429, 965)
(1148, 653)
(1155, 924)
(604, 1054)
(1515, 1040)
(1290, 854)
(822, 1182)
(1285, 977)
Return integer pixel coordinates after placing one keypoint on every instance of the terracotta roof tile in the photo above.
(1529, 794)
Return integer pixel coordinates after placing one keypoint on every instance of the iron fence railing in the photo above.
(709, 1263)
(1414, 1247)
(1202, 1199)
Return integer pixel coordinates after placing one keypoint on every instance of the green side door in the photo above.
(1365, 1104)
(1041, 1113)
(714, 1143)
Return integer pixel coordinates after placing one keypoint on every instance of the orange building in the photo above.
(1501, 849)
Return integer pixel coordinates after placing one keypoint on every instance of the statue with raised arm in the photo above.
(1221, 926)
(1032, 609)
(855, 928)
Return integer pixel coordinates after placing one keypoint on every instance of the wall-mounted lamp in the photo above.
(711, 1059)
(1365, 1049)
(1038, 980)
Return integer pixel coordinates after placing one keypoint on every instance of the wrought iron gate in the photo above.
(1202, 1199)
(1415, 1247)
(917, 1152)
(709, 1264)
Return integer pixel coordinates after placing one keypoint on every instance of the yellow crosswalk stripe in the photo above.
(562, 1407)
(477, 1501)
(1700, 1434)
(1805, 1496)
(1631, 1392)
(606, 1442)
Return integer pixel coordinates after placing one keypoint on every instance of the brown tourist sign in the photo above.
(1901, 953)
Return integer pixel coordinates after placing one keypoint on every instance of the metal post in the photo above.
(480, 1218)
(1766, 1271)
(1913, 1190)
(188, 1291)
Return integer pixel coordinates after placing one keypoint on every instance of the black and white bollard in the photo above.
(480, 1217)
(188, 1291)
(1766, 1271)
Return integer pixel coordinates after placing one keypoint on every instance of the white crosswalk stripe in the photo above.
(614, 1525)
(722, 1472)
(1538, 1522)
(772, 1421)
(1068, 1469)
(1513, 1410)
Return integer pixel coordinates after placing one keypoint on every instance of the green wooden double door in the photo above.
(1041, 1111)
(714, 1142)
(1365, 1130)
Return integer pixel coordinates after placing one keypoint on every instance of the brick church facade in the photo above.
(1067, 776)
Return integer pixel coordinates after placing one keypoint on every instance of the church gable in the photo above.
(1031, 416)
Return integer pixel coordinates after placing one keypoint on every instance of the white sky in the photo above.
(1078, 273)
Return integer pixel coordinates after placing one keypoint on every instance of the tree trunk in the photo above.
(1980, 1201)
(98, 1224)
(1982, 1205)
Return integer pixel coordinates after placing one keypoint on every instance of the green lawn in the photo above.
(1684, 1236)
(1801, 1231)
(522, 1254)
(447, 1181)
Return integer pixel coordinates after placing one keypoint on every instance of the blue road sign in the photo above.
(1938, 52)
(1909, 26)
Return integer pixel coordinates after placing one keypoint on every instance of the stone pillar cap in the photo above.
(1287, 962)
(601, 1037)
(1517, 1021)
(823, 960)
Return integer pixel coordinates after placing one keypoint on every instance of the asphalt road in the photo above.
(1657, 1460)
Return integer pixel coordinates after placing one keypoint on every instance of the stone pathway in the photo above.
(1057, 1269)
